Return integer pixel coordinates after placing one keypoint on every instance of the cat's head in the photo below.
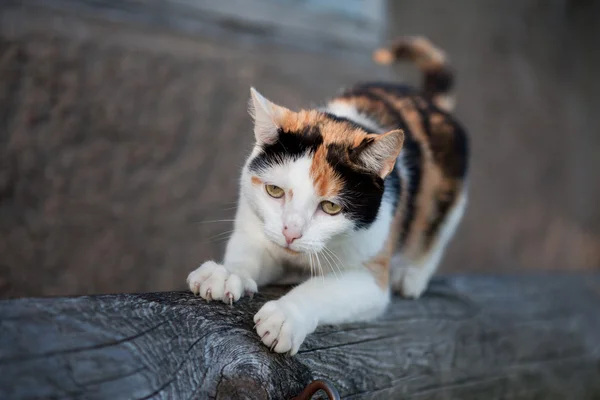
(313, 176)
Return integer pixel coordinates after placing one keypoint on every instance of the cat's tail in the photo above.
(431, 61)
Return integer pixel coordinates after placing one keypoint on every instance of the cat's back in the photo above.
(434, 160)
(432, 135)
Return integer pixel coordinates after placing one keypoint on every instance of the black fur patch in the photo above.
(424, 108)
(412, 155)
(450, 150)
(393, 187)
(457, 164)
(289, 146)
(437, 81)
(452, 154)
(443, 206)
(362, 191)
(364, 210)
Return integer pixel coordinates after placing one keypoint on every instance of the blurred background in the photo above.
(123, 126)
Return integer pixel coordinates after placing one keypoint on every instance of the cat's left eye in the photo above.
(330, 208)
(274, 191)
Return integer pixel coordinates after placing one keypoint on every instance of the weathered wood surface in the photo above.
(534, 337)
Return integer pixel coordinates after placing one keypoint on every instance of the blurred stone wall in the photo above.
(120, 142)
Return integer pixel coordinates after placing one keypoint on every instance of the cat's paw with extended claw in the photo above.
(213, 281)
(281, 327)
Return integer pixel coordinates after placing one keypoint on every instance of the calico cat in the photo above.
(362, 194)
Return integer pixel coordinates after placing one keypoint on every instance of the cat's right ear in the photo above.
(380, 152)
(267, 117)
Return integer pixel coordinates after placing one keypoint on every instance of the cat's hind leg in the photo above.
(411, 277)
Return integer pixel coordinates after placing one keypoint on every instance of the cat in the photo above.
(364, 193)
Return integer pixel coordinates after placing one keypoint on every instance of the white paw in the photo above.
(281, 327)
(213, 281)
(414, 282)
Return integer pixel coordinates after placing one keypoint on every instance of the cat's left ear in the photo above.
(379, 152)
(267, 117)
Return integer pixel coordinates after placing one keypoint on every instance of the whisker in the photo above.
(329, 262)
(222, 233)
(335, 255)
(328, 258)
(220, 237)
(338, 262)
(222, 240)
(320, 268)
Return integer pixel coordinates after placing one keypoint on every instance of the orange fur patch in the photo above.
(437, 119)
(380, 264)
(383, 56)
(332, 131)
(432, 177)
(326, 181)
(256, 180)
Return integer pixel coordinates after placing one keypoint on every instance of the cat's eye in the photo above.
(330, 208)
(274, 191)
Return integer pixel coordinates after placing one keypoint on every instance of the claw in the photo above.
(274, 344)
(266, 333)
(230, 296)
(256, 324)
(208, 296)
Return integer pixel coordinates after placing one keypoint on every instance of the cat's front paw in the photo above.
(281, 327)
(213, 281)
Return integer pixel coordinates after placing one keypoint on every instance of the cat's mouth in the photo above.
(285, 247)
(290, 251)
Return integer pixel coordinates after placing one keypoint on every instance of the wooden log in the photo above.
(469, 337)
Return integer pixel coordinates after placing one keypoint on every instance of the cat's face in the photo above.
(313, 177)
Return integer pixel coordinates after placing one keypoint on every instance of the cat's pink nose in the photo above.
(291, 234)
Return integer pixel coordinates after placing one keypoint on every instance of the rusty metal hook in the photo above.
(315, 386)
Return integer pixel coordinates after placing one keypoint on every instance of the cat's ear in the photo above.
(267, 117)
(379, 152)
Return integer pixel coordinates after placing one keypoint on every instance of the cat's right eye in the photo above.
(274, 191)
(330, 208)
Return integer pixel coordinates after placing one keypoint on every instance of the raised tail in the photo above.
(431, 61)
